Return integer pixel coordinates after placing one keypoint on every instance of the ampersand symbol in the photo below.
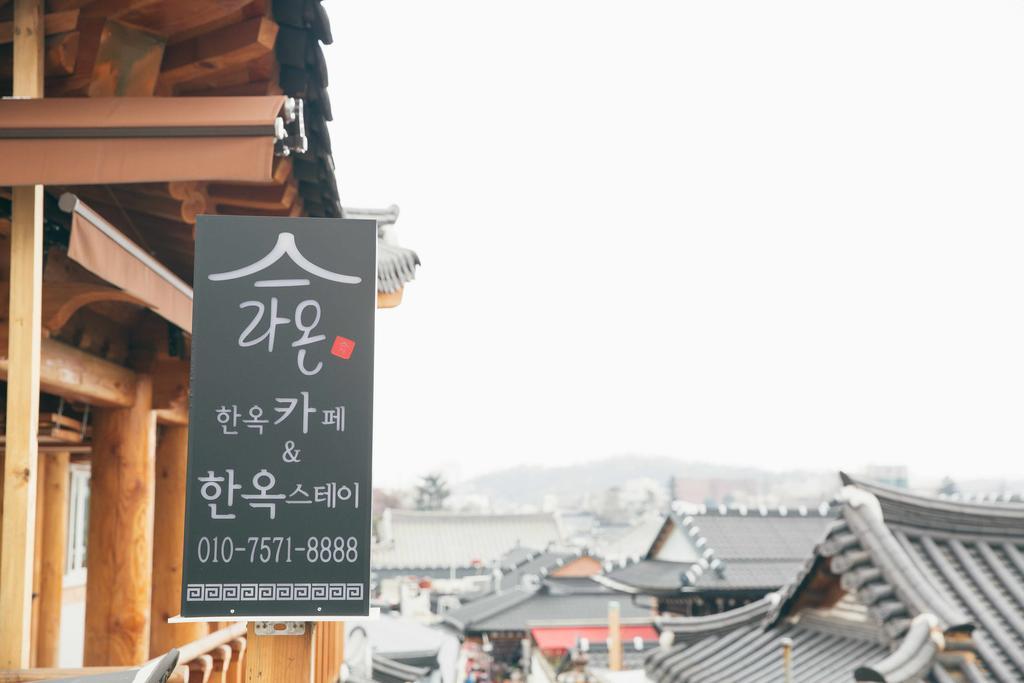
(291, 453)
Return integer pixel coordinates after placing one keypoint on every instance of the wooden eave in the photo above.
(193, 48)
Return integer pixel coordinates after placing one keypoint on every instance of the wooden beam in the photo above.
(54, 512)
(280, 659)
(127, 62)
(61, 300)
(224, 48)
(106, 8)
(37, 562)
(78, 376)
(255, 196)
(50, 673)
(171, 466)
(170, 383)
(112, 204)
(59, 58)
(179, 189)
(230, 210)
(77, 84)
(54, 22)
(121, 504)
(25, 310)
(171, 417)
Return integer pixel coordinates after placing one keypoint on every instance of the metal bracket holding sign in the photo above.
(280, 628)
(277, 523)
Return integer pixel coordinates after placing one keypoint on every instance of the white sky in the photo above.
(773, 233)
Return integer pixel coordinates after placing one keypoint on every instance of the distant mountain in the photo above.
(530, 484)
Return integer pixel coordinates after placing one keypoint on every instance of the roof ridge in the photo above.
(522, 595)
(928, 511)
(872, 563)
(738, 510)
(699, 626)
(707, 560)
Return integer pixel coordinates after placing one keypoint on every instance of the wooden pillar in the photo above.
(37, 559)
(614, 637)
(19, 492)
(169, 529)
(329, 651)
(119, 584)
(279, 659)
(54, 511)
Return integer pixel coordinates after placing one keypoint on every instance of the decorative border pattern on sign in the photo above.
(245, 592)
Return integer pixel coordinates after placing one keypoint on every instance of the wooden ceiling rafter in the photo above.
(116, 201)
(223, 49)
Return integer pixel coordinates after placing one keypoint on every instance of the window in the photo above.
(78, 524)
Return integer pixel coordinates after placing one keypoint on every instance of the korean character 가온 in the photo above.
(256, 420)
(300, 496)
(291, 403)
(265, 499)
(212, 490)
(228, 417)
(335, 416)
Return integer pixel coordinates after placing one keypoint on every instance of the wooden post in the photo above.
(169, 529)
(37, 559)
(614, 637)
(54, 511)
(279, 659)
(329, 651)
(119, 584)
(25, 313)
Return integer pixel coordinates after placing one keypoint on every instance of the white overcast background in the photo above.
(772, 233)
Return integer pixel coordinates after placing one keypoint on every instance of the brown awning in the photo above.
(85, 141)
(106, 252)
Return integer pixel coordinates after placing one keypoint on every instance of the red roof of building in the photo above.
(566, 637)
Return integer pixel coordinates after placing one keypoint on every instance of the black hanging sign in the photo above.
(277, 519)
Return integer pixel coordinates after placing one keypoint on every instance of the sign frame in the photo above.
(284, 318)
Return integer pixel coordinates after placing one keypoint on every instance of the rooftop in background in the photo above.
(904, 588)
(553, 602)
(723, 550)
(411, 540)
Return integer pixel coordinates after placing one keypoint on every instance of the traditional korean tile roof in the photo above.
(303, 26)
(627, 542)
(733, 549)
(555, 602)
(940, 583)
(747, 652)
(441, 540)
(387, 670)
(649, 577)
(396, 265)
(521, 563)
